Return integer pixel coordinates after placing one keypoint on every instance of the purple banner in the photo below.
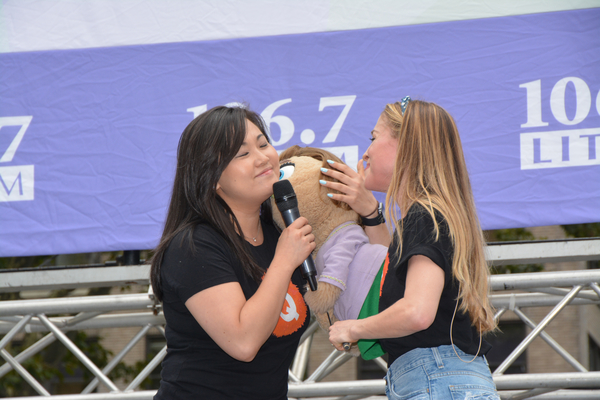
(88, 137)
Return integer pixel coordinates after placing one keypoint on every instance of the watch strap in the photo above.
(376, 220)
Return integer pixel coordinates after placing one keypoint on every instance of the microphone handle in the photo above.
(309, 272)
(308, 269)
(290, 215)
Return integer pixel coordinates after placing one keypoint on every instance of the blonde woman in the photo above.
(433, 305)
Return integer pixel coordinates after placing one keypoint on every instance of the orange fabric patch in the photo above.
(385, 270)
(293, 314)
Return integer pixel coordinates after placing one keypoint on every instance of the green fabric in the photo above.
(370, 348)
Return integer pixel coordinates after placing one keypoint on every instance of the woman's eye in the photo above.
(371, 138)
(286, 170)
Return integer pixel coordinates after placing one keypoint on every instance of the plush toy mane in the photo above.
(317, 154)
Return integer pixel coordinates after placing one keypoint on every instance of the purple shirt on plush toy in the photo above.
(347, 260)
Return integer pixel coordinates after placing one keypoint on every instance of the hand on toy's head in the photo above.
(302, 167)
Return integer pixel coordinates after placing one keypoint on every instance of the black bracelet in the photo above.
(377, 220)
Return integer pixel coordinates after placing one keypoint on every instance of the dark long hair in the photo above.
(206, 147)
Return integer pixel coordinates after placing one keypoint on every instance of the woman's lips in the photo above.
(265, 172)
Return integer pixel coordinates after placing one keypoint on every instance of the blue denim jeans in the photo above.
(437, 373)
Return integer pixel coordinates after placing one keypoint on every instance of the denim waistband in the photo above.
(432, 354)
(446, 350)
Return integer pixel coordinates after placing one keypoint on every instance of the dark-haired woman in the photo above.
(228, 280)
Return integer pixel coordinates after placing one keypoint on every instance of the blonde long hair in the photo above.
(430, 170)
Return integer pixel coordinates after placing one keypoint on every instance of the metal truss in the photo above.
(55, 316)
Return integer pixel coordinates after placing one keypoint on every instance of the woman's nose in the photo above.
(261, 158)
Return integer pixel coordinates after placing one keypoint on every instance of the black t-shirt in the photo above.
(418, 238)
(195, 366)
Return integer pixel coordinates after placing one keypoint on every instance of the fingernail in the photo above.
(322, 182)
(329, 195)
(324, 169)
(330, 162)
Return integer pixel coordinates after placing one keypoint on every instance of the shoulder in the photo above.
(420, 221)
(204, 231)
(199, 239)
(419, 237)
(207, 237)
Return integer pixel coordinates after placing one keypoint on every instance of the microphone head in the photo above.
(284, 194)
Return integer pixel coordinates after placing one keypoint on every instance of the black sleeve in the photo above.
(208, 263)
(419, 238)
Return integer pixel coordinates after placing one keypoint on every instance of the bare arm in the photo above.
(413, 313)
(353, 192)
(239, 326)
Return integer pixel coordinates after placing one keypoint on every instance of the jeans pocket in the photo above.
(418, 395)
(473, 392)
(410, 385)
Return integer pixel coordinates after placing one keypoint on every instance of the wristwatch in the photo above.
(376, 220)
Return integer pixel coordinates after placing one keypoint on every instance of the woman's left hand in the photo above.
(352, 190)
(351, 186)
(339, 333)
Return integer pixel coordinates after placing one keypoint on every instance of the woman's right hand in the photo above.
(351, 186)
(295, 244)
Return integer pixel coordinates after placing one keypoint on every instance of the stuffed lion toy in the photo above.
(346, 262)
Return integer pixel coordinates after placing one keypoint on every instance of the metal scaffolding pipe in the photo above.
(551, 342)
(78, 353)
(556, 395)
(117, 359)
(547, 279)
(15, 329)
(55, 278)
(99, 322)
(558, 380)
(521, 300)
(583, 294)
(543, 251)
(24, 373)
(531, 393)
(595, 288)
(534, 333)
(316, 375)
(382, 364)
(28, 352)
(543, 289)
(342, 359)
(324, 389)
(147, 370)
(72, 305)
(14, 363)
(297, 391)
(300, 362)
(141, 395)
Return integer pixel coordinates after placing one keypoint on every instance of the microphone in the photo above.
(285, 197)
